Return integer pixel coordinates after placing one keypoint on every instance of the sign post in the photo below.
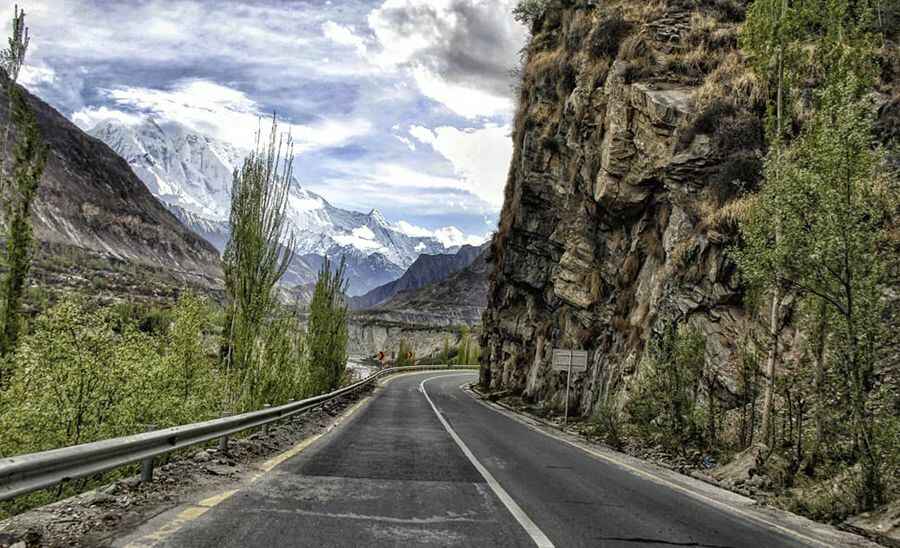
(569, 361)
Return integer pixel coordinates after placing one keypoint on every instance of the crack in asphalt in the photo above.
(663, 542)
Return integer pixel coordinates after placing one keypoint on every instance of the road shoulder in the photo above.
(800, 528)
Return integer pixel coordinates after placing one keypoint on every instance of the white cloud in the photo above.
(450, 236)
(480, 157)
(458, 52)
(32, 76)
(89, 117)
(466, 101)
(222, 112)
(344, 36)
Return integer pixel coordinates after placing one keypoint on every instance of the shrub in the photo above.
(528, 12)
(607, 36)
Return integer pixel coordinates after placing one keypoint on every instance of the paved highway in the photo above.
(399, 474)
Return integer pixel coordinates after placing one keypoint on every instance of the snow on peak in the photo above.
(378, 217)
(193, 173)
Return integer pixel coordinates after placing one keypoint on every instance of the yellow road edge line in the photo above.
(657, 479)
(194, 511)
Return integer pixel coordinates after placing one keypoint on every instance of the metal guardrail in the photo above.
(26, 473)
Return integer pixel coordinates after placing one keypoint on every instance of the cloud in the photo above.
(450, 236)
(216, 110)
(344, 36)
(89, 117)
(453, 47)
(480, 156)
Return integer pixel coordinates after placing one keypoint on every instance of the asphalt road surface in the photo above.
(397, 474)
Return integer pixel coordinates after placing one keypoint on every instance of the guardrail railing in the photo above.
(23, 474)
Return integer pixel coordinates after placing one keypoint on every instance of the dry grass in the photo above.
(725, 218)
(546, 64)
(733, 79)
(644, 12)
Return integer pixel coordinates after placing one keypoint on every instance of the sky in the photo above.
(400, 105)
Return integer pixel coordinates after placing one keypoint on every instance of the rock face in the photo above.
(632, 138)
(89, 198)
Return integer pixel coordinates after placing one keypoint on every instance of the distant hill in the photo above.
(427, 269)
(457, 300)
(90, 199)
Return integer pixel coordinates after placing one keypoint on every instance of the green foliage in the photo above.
(528, 12)
(665, 404)
(28, 159)
(327, 331)
(406, 355)
(255, 259)
(830, 192)
(468, 351)
(82, 376)
(13, 57)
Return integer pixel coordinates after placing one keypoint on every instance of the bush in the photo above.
(664, 407)
(606, 37)
(528, 12)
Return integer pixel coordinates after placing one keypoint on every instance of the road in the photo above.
(395, 475)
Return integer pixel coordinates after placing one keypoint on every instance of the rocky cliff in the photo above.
(637, 127)
(90, 200)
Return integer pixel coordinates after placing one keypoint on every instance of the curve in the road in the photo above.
(425, 464)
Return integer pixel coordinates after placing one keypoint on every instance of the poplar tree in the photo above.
(258, 252)
(833, 199)
(327, 333)
(17, 189)
(770, 38)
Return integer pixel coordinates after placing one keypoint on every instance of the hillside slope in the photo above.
(90, 199)
(427, 269)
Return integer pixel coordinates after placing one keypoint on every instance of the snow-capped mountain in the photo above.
(192, 174)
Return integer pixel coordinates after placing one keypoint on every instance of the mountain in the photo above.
(427, 269)
(91, 200)
(459, 299)
(192, 174)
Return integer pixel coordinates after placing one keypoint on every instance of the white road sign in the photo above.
(564, 359)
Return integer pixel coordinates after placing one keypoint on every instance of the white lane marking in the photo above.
(648, 475)
(538, 536)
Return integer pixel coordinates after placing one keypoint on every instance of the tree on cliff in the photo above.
(770, 38)
(327, 334)
(833, 200)
(18, 191)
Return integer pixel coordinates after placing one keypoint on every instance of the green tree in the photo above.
(18, 192)
(327, 333)
(406, 355)
(833, 200)
(771, 38)
(258, 252)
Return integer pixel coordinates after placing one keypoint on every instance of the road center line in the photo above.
(538, 536)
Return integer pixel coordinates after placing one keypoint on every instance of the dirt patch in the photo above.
(96, 517)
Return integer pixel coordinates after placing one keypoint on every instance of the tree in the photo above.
(327, 333)
(18, 193)
(833, 201)
(259, 250)
(406, 356)
(770, 38)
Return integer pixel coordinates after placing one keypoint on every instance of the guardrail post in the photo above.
(223, 441)
(266, 426)
(147, 464)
